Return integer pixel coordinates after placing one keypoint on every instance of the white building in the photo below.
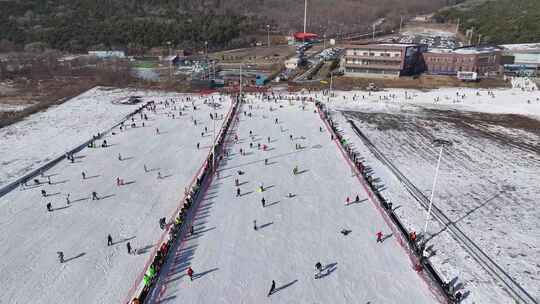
(107, 54)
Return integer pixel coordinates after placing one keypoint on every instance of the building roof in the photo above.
(380, 46)
(466, 50)
(302, 35)
(524, 47)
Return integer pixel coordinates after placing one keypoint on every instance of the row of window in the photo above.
(372, 54)
(450, 59)
(371, 71)
(369, 62)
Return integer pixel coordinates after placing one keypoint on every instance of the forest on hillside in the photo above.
(497, 21)
(79, 25)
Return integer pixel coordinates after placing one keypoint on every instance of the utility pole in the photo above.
(442, 143)
(240, 80)
(305, 15)
(457, 26)
(324, 41)
(400, 23)
(479, 39)
(373, 32)
(331, 82)
(170, 60)
(206, 48)
(268, 34)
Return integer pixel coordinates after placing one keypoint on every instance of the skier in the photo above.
(379, 237)
(119, 157)
(268, 139)
(94, 195)
(109, 240)
(118, 181)
(198, 146)
(157, 131)
(83, 175)
(263, 201)
(273, 287)
(357, 199)
(266, 161)
(43, 193)
(191, 232)
(255, 225)
(236, 182)
(159, 175)
(67, 199)
(345, 231)
(237, 192)
(49, 207)
(295, 170)
(290, 136)
(145, 168)
(190, 273)
(128, 246)
(162, 223)
(60, 256)
(318, 267)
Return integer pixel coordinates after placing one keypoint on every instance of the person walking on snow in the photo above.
(109, 240)
(190, 273)
(379, 237)
(272, 288)
(318, 267)
(60, 256)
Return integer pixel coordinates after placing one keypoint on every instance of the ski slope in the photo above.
(53, 132)
(233, 263)
(93, 272)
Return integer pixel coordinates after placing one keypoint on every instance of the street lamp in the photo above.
(268, 34)
(170, 60)
(206, 48)
(437, 143)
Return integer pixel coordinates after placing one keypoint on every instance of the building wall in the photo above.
(451, 63)
(381, 61)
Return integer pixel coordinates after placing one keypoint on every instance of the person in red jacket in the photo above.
(190, 273)
(379, 236)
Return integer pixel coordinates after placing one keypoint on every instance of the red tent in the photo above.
(301, 36)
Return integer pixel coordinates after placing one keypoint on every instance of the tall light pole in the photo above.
(240, 81)
(206, 48)
(268, 34)
(324, 41)
(400, 23)
(438, 143)
(170, 60)
(305, 15)
(373, 32)
(331, 81)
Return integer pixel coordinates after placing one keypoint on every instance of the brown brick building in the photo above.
(485, 61)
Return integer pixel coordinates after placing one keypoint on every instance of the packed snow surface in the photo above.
(41, 137)
(94, 272)
(234, 263)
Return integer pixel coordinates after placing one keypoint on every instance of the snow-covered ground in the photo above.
(234, 263)
(30, 143)
(489, 177)
(31, 236)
